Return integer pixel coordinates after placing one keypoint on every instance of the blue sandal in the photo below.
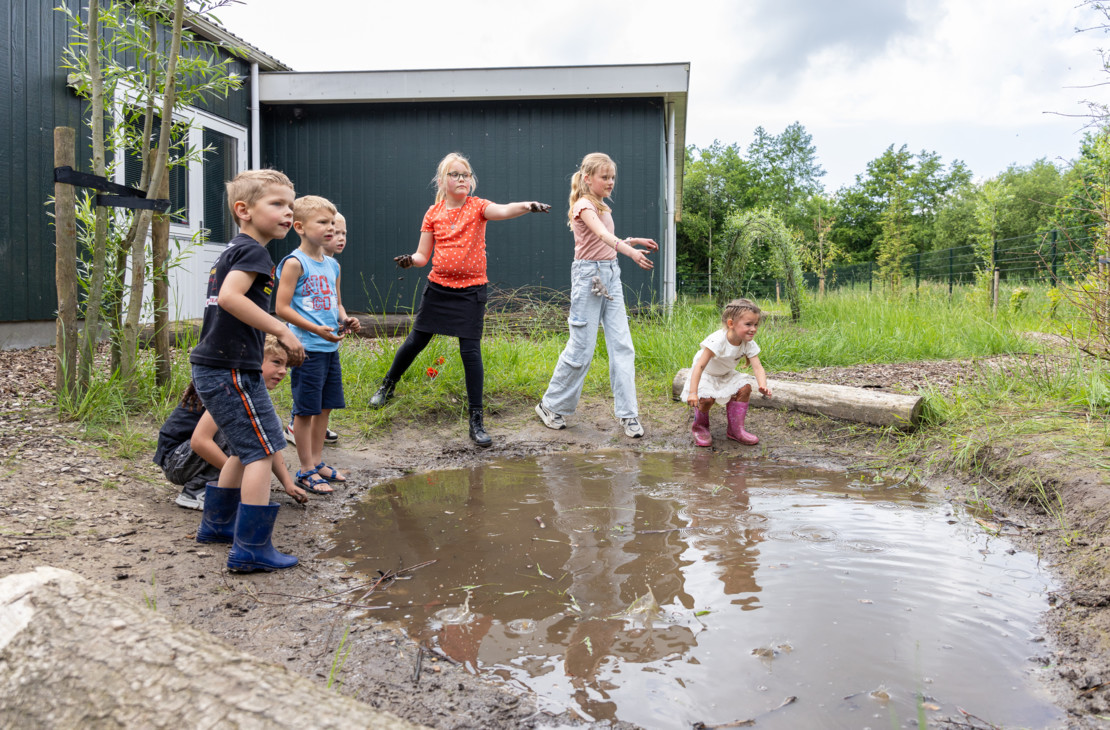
(335, 477)
(310, 481)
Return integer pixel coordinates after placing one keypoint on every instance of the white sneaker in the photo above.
(190, 500)
(550, 418)
(331, 437)
(289, 435)
(632, 427)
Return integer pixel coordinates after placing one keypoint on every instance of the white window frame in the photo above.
(199, 120)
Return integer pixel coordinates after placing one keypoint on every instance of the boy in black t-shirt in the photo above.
(227, 373)
(191, 450)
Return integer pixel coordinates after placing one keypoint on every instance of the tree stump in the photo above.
(75, 654)
(861, 405)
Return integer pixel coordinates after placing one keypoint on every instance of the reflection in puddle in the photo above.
(669, 589)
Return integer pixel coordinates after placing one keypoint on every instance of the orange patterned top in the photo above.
(459, 252)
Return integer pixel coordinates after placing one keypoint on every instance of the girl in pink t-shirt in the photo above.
(453, 238)
(597, 298)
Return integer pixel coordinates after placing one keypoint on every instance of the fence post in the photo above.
(1055, 281)
(951, 275)
(917, 271)
(870, 277)
(995, 278)
(65, 266)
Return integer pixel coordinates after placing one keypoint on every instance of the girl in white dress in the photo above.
(714, 378)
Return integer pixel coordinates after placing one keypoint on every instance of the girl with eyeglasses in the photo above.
(453, 238)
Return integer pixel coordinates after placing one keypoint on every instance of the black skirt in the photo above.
(452, 312)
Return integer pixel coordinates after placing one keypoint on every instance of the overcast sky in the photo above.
(976, 80)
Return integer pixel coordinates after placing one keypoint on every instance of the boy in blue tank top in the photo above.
(308, 299)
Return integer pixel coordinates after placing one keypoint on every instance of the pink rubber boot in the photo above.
(737, 411)
(701, 428)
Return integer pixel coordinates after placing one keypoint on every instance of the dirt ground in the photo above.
(65, 503)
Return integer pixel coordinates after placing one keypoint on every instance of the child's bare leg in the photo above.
(256, 482)
(704, 404)
(319, 432)
(743, 395)
(304, 425)
(231, 475)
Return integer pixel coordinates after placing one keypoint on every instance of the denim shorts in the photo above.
(317, 384)
(241, 407)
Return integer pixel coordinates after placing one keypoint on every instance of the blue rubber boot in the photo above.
(220, 508)
(252, 549)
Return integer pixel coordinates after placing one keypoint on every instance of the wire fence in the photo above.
(1048, 257)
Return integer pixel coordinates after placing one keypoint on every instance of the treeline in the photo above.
(903, 203)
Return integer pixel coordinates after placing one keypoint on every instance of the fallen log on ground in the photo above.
(861, 405)
(75, 654)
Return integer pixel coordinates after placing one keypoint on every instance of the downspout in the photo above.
(670, 263)
(256, 121)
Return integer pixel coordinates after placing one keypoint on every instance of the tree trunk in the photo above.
(75, 654)
(160, 248)
(65, 267)
(835, 401)
(91, 334)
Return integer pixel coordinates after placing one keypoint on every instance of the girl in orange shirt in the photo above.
(453, 237)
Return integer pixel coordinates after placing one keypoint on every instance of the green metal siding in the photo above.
(376, 163)
(33, 100)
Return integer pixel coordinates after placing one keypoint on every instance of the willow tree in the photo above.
(759, 232)
(120, 61)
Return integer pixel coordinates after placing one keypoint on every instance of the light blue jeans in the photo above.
(587, 311)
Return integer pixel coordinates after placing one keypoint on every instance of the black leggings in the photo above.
(470, 350)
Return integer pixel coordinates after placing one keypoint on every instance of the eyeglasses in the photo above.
(458, 175)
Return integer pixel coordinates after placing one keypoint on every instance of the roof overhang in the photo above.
(667, 81)
(219, 35)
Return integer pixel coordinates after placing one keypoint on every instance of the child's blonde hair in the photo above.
(444, 167)
(592, 164)
(305, 206)
(273, 346)
(736, 307)
(250, 185)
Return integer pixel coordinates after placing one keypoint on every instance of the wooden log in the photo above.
(861, 405)
(75, 654)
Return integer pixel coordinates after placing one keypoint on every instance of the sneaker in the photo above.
(549, 417)
(289, 435)
(330, 437)
(632, 427)
(190, 499)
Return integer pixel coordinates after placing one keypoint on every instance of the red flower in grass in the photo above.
(440, 360)
(432, 372)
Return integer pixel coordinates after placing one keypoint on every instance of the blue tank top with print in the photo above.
(316, 298)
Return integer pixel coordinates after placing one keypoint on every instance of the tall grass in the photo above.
(847, 327)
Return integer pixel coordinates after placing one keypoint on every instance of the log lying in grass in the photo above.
(74, 654)
(835, 401)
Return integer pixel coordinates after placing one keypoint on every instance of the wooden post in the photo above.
(160, 249)
(65, 267)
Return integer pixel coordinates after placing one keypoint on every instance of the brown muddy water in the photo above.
(670, 589)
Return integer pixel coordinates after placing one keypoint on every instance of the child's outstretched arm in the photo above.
(291, 271)
(695, 375)
(503, 212)
(760, 376)
(233, 299)
(423, 252)
(627, 246)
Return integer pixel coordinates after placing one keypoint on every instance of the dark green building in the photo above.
(369, 141)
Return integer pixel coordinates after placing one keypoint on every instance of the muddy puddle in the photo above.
(670, 589)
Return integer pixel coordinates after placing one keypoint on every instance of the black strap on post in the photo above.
(124, 196)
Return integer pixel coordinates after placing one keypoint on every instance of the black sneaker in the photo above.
(331, 437)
